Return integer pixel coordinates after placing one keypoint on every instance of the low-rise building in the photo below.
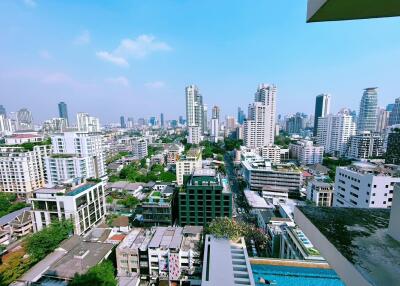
(306, 153)
(205, 196)
(15, 225)
(262, 175)
(174, 152)
(226, 262)
(187, 163)
(321, 193)
(257, 202)
(161, 254)
(365, 185)
(83, 203)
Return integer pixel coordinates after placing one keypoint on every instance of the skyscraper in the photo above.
(322, 108)
(162, 120)
(394, 117)
(205, 120)
(215, 123)
(63, 111)
(367, 117)
(3, 110)
(194, 107)
(122, 122)
(24, 119)
(259, 128)
(383, 119)
(240, 117)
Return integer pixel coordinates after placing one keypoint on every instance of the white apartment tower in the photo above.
(86, 123)
(194, 107)
(75, 154)
(259, 128)
(334, 132)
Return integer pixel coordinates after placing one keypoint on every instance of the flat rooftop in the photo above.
(361, 237)
(138, 238)
(167, 237)
(256, 201)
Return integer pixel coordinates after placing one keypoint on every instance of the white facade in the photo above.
(272, 153)
(259, 129)
(306, 153)
(365, 185)
(334, 132)
(194, 136)
(83, 204)
(22, 170)
(215, 129)
(365, 145)
(367, 117)
(139, 149)
(86, 123)
(5, 125)
(383, 120)
(187, 164)
(320, 193)
(194, 108)
(86, 149)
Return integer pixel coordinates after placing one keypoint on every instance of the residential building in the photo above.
(365, 185)
(394, 117)
(86, 123)
(83, 203)
(162, 254)
(174, 152)
(157, 208)
(16, 224)
(63, 111)
(72, 257)
(262, 175)
(321, 193)
(55, 125)
(393, 146)
(226, 262)
(230, 123)
(24, 137)
(22, 169)
(334, 132)
(364, 145)
(194, 108)
(367, 117)
(306, 153)
(187, 163)
(322, 109)
(139, 149)
(296, 123)
(5, 125)
(272, 153)
(75, 154)
(24, 120)
(194, 136)
(383, 120)
(259, 128)
(205, 196)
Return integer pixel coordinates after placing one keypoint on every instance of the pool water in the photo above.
(299, 276)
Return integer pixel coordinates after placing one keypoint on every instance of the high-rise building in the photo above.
(334, 132)
(181, 120)
(194, 134)
(162, 123)
(75, 154)
(153, 121)
(139, 149)
(215, 123)
(306, 153)
(205, 120)
(393, 146)
(63, 111)
(5, 124)
(240, 116)
(206, 196)
(383, 120)
(194, 108)
(22, 170)
(3, 110)
(131, 122)
(24, 119)
(230, 123)
(365, 145)
(296, 123)
(86, 123)
(259, 128)
(322, 109)
(367, 117)
(122, 121)
(394, 117)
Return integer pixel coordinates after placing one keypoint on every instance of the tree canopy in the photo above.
(100, 275)
(9, 204)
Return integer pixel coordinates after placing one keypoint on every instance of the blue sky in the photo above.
(134, 58)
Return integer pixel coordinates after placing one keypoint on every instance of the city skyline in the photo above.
(136, 66)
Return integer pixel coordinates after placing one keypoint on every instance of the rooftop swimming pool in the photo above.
(80, 189)
(299, 276)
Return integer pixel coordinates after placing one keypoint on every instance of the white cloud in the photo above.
(138, 48)
(116, 60)
(155, 84)
(30, 3)
(120, 80)
(83, 38)
(45, 54)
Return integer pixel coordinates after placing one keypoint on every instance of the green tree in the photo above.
(129, 202)
(99, 275)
